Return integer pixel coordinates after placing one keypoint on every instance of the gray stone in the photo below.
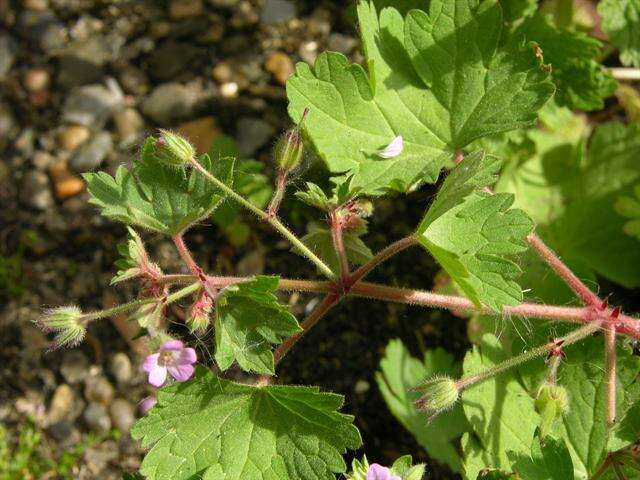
(8, 52)
(35, 191)
(121, 368)
(123, 414)
(97, 418)
(253, 133)
(8, 126)
(134, 81)
(92, 105)
(171, 59)
(169, 102)
(129, 124)
(65, 405)
(98, 389)
(275, 11)
(91, 155)
(44, 28)
(65, 433)
(342, 43)
(83, 60)
(74, 366)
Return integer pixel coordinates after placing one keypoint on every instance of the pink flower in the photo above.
(174, 358)
(147, 404)
(378, 472)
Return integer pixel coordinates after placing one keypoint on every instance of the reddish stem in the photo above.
(564, 272)
(338, 245)
(195, 270)
(316, 314)
(278, 195)
(610, 373)
(381, 256)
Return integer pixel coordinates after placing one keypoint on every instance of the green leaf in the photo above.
(514, 10)
(497, 475)
(627, 430)
(158, 197)
(621, 22)
(582, 82)
(424, 83)
(212, 428)
(500, 411)
(475, 235)
(572, 199)
(629, 207)
(319, 240)
(249, 319)
(550, 461)
(400, 372)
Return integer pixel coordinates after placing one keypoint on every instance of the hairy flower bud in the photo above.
(199, 313)
(172, 149)
(66, 322)
(439, 394)
(289, 149)
(551, 403)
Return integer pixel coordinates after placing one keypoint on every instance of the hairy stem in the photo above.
(273, 221)
(278, 194)
(625, 73)
(536, 352)
(338, 245)
(610, 373)
(316, 314)
(564, 272)
(625, 325)
(195, 270)
(381, 256)
(126, 307)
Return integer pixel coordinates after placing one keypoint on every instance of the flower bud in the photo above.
(551, 403)
(439, 394)
(289, 149)
(172, 149)
(66, 322)
(199, 313)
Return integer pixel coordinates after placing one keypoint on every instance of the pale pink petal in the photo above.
(181, 372)
(378, 472)
(157, 376)
(173, 345)
(150, 362)
(147, 403)
(187, 357)
(393, 149)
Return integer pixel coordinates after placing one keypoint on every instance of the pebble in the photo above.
(276, 11)
(201, 133)
(42, 160)
(72, 136)
(65, 183)
(134, 81)
(121, 368)
(8, 52)
(36, 80)
(180, 9)
(172, 58)
(253, 133)
(169, 102)
(308, 51)
(35, 191)
(8, 126)
(97, 458)
(44, 28)
(91, 155)
(129, 123)
(97, 418)
(229, 90)
(65, 433)
(38, 5)
(98, 389)
(64, 406)
(74, 366)
(361, 387)
(123, 414)
(92, 105)
(224, 3)
(280, 66)
(342, 43)
(222, 72)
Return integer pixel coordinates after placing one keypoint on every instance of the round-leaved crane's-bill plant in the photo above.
(538, 202)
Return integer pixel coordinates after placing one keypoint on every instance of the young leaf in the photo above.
(550, 461)
(215, 429)
(320, 242)
(133, 261)
(500, 411)
(400, 372)
(158, 197)
(425, 84)
(473, 235)
(621, 21)
(249, 319)
(582, 82)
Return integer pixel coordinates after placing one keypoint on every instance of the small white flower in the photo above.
(393, 149)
